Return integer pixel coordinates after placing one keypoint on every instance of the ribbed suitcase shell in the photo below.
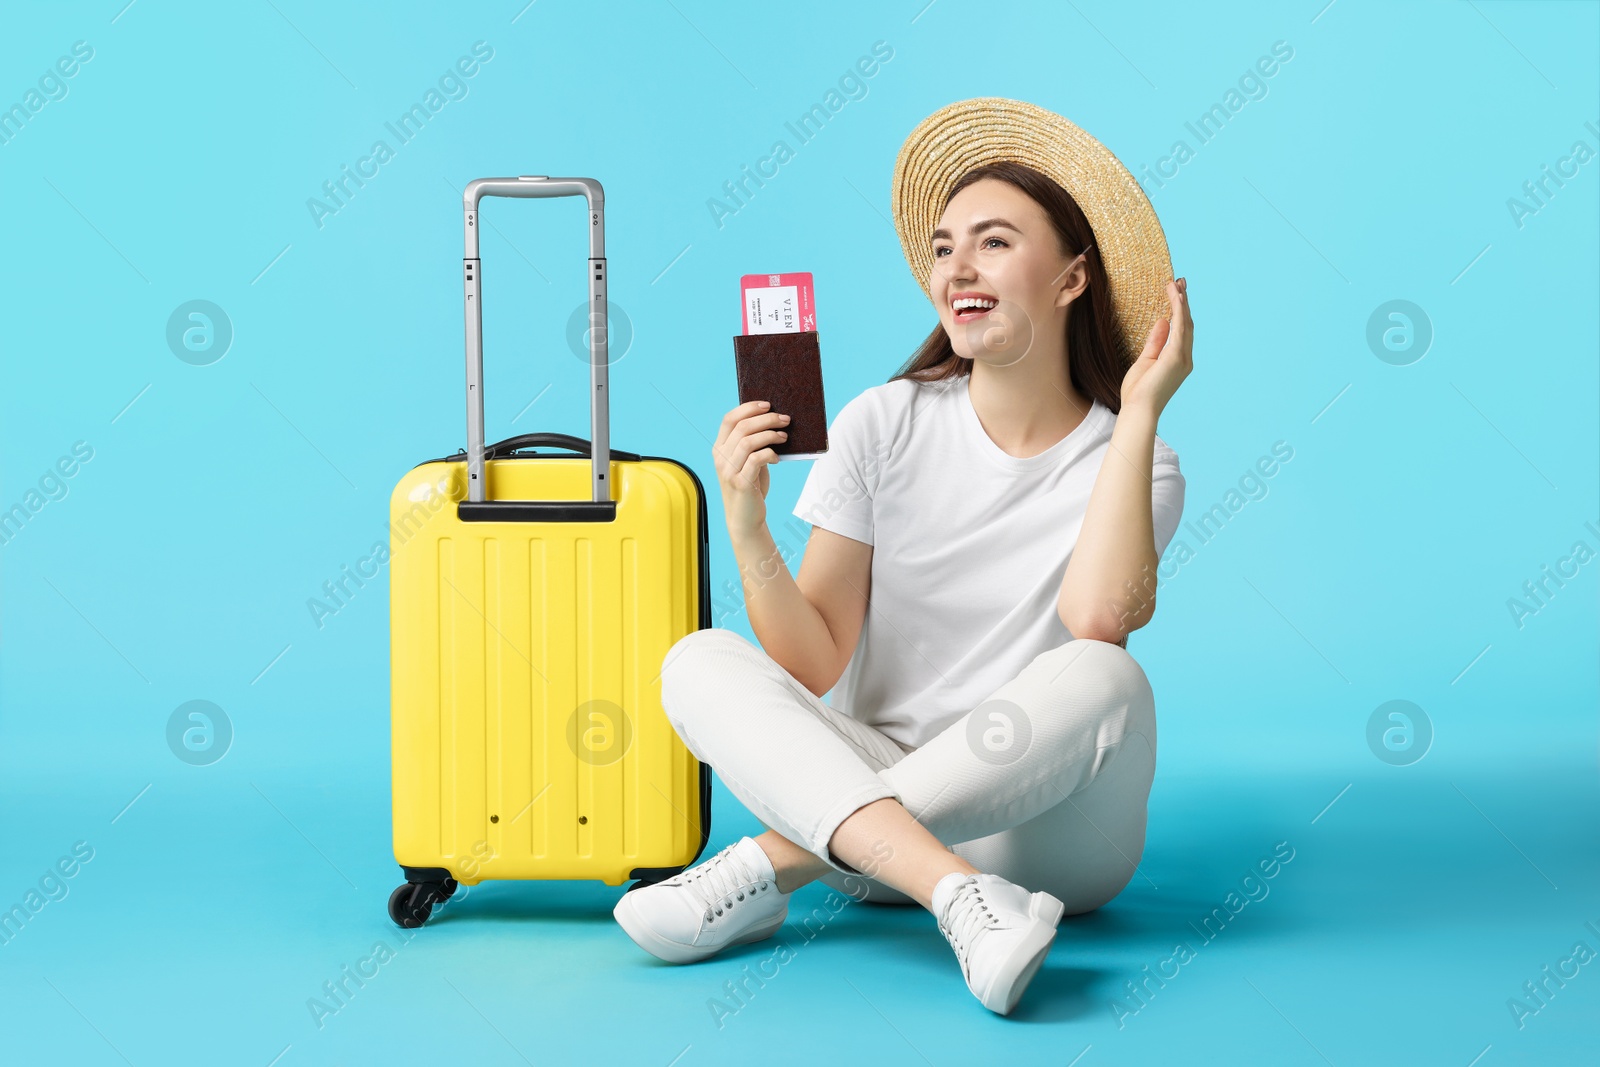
(528, 737)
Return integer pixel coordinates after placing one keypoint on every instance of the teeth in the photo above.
(971, 302)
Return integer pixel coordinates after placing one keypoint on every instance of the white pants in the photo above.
(1045, 783)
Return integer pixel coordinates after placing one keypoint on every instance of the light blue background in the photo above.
(1378, 166)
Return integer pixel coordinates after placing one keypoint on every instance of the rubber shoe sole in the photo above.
(676, 952)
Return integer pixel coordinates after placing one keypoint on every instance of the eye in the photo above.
(942, 248)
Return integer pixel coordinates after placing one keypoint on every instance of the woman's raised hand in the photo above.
(1167, 358)
(742, 452)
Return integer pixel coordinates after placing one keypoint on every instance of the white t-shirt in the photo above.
(970, 545)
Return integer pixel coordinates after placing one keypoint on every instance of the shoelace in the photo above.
(721, 880)
(969, 915)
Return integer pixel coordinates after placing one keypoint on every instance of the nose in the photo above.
(955, 267)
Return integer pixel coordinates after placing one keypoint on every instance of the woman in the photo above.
(986, 528)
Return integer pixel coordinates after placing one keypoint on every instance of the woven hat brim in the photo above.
(988, 129)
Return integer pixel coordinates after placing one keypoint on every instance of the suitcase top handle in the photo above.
(539, 185)
(511, 446)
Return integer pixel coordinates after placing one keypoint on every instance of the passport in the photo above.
(778, 359)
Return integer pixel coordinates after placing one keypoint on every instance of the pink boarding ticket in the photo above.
(778, 303)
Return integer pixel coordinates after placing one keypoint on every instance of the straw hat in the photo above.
(988, 129)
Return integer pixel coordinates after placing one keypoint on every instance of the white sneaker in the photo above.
(1001, 933)
(730, 899)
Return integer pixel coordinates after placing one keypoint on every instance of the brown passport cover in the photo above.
(785, 369)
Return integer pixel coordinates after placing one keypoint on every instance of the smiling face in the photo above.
(995, 245)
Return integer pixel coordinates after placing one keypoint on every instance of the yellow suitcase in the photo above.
(532, 601)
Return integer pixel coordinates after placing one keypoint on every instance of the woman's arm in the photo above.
(1109, 589)
(809, 625)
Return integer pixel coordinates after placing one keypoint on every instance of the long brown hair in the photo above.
(1095, 365)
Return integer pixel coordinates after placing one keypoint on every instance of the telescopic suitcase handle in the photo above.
(477, 507)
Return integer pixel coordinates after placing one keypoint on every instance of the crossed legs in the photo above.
(1047, 779)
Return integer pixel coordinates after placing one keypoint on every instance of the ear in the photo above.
(1073, 281)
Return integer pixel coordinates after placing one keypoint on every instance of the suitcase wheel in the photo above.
(412, 903)
(645, 881)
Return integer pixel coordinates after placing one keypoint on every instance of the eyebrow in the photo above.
(976, 228)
